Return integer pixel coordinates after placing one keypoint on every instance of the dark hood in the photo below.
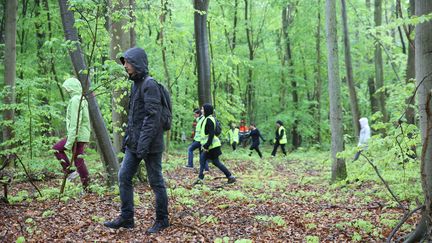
(138, 58)
(208, 109)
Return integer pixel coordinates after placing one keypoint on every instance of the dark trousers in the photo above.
(275, 147)
(216, 162)
(256, 148)
(357, 155)
(192, 147)
(129, 167)
(79, 162)
(234, 145)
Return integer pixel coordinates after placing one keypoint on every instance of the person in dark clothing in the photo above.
(211, 146)
(255, 135)
(280, 138)
(143, 141)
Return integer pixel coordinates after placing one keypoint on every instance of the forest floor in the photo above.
(274, 199)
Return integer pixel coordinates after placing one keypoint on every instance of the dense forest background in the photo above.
(316, 65)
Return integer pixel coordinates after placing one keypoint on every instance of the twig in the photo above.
(194, 228)
(385, 183)
(406, 216)
(25, 170)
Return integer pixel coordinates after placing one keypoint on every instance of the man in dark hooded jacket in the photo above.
(143, 141)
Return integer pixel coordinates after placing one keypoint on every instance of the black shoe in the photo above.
(120, 222)
(158, 225)
(231, 179)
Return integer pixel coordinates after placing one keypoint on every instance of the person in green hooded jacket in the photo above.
(78, 133)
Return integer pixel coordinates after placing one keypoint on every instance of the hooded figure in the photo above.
(77, 117)
(143, 141)
(73, 87)
(365, 132)
(144, 132)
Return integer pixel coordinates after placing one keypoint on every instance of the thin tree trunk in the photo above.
(132, 31)
(338, 167)
(162, 19)
(202, 51)
(318, 86)
(10, 69)
(423, 67)
(379, 71)
(51, 59)
(249, 83)
(410, 70)
(120, 42)
(350, 77)
(102, 138)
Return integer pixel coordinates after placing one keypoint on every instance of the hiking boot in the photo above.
(231, 179)
(188, 167)
(158, 225)
(198, 182)
(120, 222)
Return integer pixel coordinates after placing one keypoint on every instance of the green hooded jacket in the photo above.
(73, 87)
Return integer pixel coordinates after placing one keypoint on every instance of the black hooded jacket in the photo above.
(144, 132)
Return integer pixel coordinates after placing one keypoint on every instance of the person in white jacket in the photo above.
(365, 134)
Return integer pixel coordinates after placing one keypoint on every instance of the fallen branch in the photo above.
(30, 179)
(385, 183)
(402, 221)
(195, 229)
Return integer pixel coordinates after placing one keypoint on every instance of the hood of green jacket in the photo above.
(72, 86)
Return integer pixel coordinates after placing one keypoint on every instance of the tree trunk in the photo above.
(10, 69)
(249, 83)
(120, 42)
(288, 60)
(423, 67)
(202, 51)
(51, 58)
(410, 70)
(379, 72)
(318, 85)
(162, 19)
(102, 138)
(350, 77)
(338, 167)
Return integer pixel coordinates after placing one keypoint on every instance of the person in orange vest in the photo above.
(280, 138)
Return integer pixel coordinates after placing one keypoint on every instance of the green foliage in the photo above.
(20, 239)
(312, 239)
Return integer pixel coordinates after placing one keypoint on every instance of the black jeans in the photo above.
(234, 145)
(275, 147)
(128, 169)
(216, 162)
(256, 148)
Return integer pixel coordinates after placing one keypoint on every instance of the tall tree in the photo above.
(410, 69)
(10, 67)
(202, 51)
(120, 41)
(318, 84)
(355, 112)
(379, 70)
(251, 47)
(338, 167)
(102, 137)
(423, 67)
(288, 64)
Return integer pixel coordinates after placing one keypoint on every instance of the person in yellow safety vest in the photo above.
(199, 118)
(280, 138)
(211, 146)
(233, 136)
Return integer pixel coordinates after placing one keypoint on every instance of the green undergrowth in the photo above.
(300, 179)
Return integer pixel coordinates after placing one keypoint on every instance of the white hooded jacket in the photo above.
(365, 132)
